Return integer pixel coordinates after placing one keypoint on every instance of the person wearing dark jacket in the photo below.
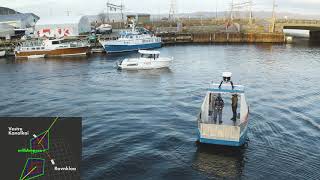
(234, 105)
(218, 107)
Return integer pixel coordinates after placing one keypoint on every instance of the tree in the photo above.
(102, 17)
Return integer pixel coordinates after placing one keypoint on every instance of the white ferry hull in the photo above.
(223, 142)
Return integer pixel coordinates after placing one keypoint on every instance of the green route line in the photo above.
(54, 121)
(34, 168)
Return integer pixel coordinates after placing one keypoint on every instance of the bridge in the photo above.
(312, 25)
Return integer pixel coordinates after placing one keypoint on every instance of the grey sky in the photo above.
(89, 7)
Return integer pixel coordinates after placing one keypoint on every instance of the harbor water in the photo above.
(142, 124)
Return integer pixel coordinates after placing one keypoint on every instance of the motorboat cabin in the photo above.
(147, 60)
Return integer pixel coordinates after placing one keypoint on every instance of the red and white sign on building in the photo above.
(58, 32)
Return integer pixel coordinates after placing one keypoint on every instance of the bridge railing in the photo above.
(298, 21)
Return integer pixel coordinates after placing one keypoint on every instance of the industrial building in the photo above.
(13, 23)
(57, 26)
(6, 31)
(139, 18)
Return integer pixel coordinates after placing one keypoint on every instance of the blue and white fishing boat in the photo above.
(223, 119)
(132, 41)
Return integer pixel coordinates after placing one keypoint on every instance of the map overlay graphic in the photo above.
(42, 147)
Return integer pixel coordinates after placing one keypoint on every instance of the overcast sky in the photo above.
(90, 7)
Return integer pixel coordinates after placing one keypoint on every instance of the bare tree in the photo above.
(102, 17)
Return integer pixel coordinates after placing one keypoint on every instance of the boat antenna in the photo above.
(133, 25)
(226, 78)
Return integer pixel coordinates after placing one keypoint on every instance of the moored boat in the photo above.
(147, 60)
(104, 28)
(51, 47)
(219, 121)
(131, 41)
(2, 53)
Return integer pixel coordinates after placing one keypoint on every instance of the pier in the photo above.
(221, 37)
(181, 38)
(312, 25)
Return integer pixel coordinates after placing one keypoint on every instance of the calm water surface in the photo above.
(142, 124)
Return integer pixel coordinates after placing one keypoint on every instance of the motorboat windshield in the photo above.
(149, 54)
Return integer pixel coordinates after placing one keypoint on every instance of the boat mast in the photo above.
(133, 26)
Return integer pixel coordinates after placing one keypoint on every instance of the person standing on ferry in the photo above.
(234, 105)
(218, 107)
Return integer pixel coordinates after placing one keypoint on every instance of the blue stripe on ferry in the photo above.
(219, 142)
(126, 48)
(224, 142)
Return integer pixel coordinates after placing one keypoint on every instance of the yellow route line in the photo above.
(48, 129)
(34, 168)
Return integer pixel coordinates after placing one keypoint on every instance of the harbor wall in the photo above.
(178, 38)
(222, 37)
(315, 36)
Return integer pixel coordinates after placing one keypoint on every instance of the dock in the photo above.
(182, 38)
(221, 37)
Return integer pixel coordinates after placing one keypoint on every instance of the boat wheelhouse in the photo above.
(223, 119)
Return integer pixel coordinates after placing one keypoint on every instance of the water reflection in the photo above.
(268, 47)
(78, 59)
(6, 60)
(148, 71)
(219, 161)
(13, 60)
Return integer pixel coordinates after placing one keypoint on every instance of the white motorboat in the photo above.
(104, 28)
(2, 53)
(218, 121)
(147, 60)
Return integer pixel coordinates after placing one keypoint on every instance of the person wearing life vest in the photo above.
(218, 107)
(234, 105)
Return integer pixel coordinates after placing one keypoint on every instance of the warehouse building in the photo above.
(6, 31)
(13, 23)
(58, 26)
(139, 18)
